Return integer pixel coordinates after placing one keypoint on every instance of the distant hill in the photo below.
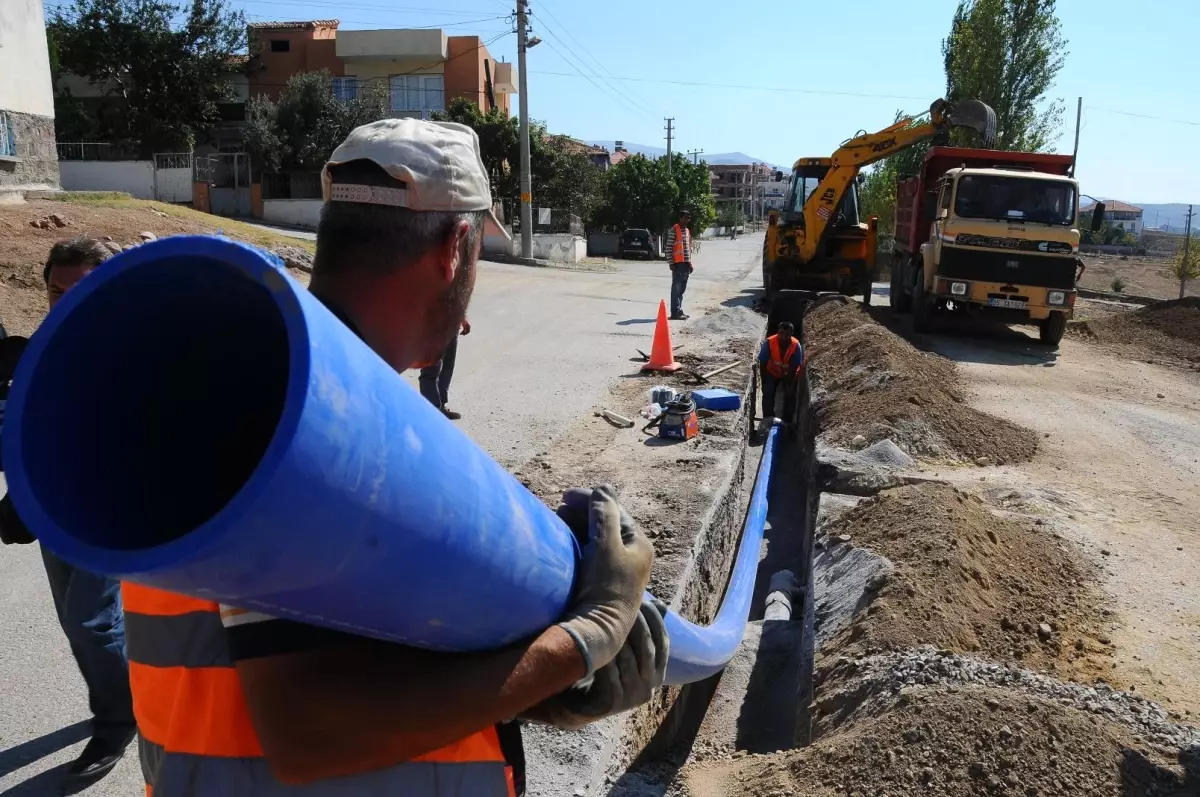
(720, 158)
(1173, 214)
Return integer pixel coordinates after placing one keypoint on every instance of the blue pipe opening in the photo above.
(191, 418)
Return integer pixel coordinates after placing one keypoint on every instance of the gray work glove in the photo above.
(611, 576)
(626, 682)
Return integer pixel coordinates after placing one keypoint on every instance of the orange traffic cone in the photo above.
(662, 355)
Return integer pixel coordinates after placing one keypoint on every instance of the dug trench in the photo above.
(945, 638)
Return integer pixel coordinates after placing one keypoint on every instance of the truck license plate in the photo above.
(1011, 304)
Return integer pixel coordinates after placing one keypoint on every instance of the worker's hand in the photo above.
(626, 682)
(611, 577)
(691, 268)
(466, 327)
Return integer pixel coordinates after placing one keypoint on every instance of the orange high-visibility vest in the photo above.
(678, 252)
(777, 362)
(194, 728)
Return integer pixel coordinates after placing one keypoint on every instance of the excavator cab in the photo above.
(807, 175)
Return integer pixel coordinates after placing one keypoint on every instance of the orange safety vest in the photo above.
(678, 253)
(776, 363)
(196, 736)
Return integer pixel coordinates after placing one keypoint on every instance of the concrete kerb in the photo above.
(1124, 298)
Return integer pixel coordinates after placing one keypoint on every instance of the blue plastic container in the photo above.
(717, 398)
(192, 418)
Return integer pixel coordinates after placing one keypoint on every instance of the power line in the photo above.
(745, 87)
(367, 7)
(583, 49)
(1143, 116)
(375, 22)
(599, 87)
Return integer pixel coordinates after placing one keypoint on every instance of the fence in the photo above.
(291, 185)
(545, 220)
(100, 166)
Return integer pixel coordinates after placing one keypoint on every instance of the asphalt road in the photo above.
(544, 346)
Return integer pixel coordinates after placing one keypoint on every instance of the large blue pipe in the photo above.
(191, 418)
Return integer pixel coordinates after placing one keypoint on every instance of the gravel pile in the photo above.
(927, 666)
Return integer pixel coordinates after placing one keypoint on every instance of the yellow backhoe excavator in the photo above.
(817, 242)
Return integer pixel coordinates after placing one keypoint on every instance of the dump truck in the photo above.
(989, 234)
(818, 242)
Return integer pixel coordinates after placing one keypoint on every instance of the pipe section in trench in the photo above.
(191, 418)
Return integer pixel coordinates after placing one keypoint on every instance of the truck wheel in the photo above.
(1051, 329)
(922, 307)
(901, 299)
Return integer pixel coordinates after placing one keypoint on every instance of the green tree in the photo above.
(694, 184)
(302, 130)
(161, 63)
(564, 178)
(639, 193)
(1007, 53)
(1187, 265)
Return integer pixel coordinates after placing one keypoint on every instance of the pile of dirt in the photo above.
(1167, 329)
(959, 741)
(873, 383)
(29, 229)
(967, 580)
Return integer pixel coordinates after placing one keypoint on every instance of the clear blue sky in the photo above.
(1140, 59)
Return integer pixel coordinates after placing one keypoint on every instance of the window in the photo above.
(1050, 202)
(280, 45)
(344, 88)
(8, 144)
(417, 93)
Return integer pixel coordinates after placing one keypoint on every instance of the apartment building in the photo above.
(27, 152)
(741, 183)
(422, 69)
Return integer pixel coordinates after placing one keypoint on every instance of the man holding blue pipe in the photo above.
(234, 703)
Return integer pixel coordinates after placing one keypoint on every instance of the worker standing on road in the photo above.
(679, 245)
(234, 703)
(435, 377)
(88, 605)
(780, 359)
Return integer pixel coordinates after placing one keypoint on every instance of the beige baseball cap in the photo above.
(438, 163)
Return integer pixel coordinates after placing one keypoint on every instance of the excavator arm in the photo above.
(821, 207)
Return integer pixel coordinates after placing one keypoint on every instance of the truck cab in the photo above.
(1001, 243)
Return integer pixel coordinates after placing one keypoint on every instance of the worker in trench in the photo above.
(88, 605)
(780, 359)
(234, 703)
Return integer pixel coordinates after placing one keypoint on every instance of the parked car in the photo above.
(636, 242)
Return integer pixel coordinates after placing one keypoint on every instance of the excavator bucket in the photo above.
(978, 116)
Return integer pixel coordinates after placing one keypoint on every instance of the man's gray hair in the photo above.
(374, 239)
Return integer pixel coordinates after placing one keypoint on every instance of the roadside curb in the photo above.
(1124, 298)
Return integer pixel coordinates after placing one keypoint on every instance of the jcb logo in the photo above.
(883, 146)
(828, 196)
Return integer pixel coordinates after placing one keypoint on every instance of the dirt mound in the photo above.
(957, 741)
(1166, 329)
(969, 581)
(877, 385)
(25, 241)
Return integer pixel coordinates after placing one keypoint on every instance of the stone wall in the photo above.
(36, 162)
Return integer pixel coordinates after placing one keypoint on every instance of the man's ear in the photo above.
(450, 252)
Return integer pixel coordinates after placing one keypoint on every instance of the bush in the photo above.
(1118, 285)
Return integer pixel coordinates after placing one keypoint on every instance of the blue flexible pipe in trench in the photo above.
(191, 418)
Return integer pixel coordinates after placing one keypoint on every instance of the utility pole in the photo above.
(1183, 265)
(695, 153)
(670, 136)
(523, 87)
(1075, 152)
